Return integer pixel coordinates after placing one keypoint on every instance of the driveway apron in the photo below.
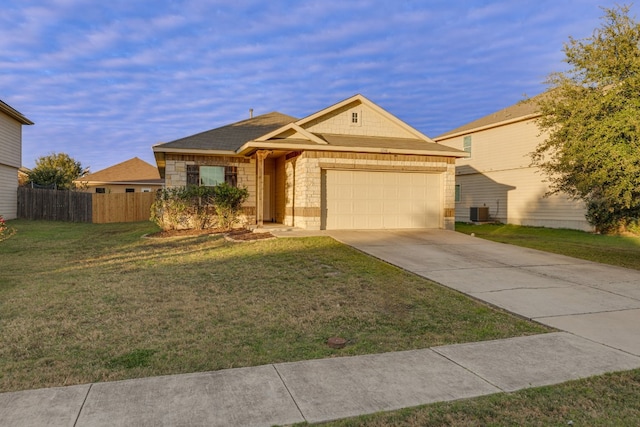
(591, 300)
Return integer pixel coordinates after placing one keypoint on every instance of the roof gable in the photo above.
(291, 131)
(128, 171)
(358, 116)
(522, 110)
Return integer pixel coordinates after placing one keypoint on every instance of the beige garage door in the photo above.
(376, 200)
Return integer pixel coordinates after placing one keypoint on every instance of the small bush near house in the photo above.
(198, 207)
(168, 211)
(228, 201)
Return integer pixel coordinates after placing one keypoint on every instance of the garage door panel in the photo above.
(376, 200)
(359, 179)
(408, 193)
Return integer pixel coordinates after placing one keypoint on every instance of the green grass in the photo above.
(623, 251)
(606, 400)
(85, 303)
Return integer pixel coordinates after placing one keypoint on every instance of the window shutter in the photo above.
(231, 175)
(193, 175)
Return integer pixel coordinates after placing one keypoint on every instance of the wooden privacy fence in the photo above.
(74, 206)
(54, 205)
(122, 207)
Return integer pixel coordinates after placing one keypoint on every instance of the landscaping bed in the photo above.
(239, 234)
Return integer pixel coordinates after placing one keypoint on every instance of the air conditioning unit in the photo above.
(479, 214)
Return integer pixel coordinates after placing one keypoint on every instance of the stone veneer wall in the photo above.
(176, 175)
(303, 187)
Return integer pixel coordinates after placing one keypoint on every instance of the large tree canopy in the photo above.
(57, 170)
(591, 116)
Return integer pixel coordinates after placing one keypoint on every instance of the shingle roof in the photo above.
(13, 113)
(132, 170)
(514, 112)
(231, 137)
(281, 132)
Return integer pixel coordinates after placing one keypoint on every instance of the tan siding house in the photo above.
(352, 165)
(11, 122)
(131, 176)
(498, 174)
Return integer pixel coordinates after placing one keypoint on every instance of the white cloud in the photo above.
(104, 79)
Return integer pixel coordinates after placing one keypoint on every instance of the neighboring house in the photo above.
(131, 176)
(11, 122)
(352, 165)
(497, 178)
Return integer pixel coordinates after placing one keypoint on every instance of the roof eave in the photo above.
(252, 146)
(203, 151)
(486, 127)
(14, 114)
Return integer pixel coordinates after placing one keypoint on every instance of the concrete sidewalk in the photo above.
(599, 305)
(318, 390)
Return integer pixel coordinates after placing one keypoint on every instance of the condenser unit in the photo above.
(479, 214)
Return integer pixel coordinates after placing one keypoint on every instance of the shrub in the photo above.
(227, 201)
(610, 218)
(200, 210)
(198, 207)
(169, 210)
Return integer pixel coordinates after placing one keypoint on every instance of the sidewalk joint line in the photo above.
(519, 288)
(84, 401)
(467, 369)
(289, 391)
(613, 310)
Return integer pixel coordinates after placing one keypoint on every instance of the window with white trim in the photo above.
(466, 144)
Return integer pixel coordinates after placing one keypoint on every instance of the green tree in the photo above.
(57, 170)
(591, 118)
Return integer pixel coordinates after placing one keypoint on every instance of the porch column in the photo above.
(260, 156)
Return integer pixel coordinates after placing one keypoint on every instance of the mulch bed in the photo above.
(244, 235)
(239, 234)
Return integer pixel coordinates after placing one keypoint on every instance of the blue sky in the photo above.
(104, 81)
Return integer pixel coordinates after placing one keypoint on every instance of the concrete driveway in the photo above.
(591, 300)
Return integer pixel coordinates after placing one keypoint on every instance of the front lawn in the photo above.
(85, 303)
(623, 251)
